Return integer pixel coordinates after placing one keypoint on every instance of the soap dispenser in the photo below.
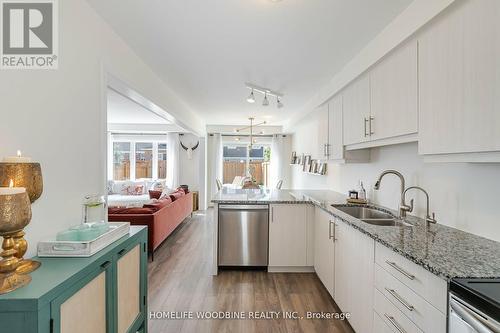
(361, 191)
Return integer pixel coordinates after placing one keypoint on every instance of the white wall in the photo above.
(57, 117)
(463, 195)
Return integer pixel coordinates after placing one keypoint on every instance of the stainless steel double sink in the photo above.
(372, 216)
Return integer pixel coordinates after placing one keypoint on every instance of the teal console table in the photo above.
(105, 293)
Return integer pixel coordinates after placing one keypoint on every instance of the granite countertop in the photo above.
(442, 250)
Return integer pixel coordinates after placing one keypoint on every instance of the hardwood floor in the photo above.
(180, 280)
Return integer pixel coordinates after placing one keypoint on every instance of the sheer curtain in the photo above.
(215, 156)
(278, 160)
(173, 160)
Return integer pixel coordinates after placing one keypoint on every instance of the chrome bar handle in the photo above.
(400, 270)
(394, 323)
(371, 120)
(400, 299)
(366, 121)
(330, 236)
(272, 214)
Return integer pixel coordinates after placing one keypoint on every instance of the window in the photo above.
(121, 160)
(133, 160)
(143, 160)
(234, 162)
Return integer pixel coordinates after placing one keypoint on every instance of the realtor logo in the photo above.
(29, 34)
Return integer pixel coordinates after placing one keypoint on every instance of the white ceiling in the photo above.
(207, 49)
(122, 110)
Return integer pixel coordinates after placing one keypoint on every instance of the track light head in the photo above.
(265, 102)
(251, 98)
(279, 104)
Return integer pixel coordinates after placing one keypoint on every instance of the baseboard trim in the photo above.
(290, 269)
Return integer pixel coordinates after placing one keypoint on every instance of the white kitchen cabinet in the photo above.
(459, 82)
(323, 133)
(356, 111)
(335, 129)
(336, 150)
(288, 235)
(393, 87)
(324, 249)
(354, 275)
(380, 107)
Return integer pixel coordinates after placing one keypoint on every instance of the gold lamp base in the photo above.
(11, 282)
(27, 266)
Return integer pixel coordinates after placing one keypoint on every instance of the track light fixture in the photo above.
(278, 103)
(265, 102)
(266, 92)
(251, 98)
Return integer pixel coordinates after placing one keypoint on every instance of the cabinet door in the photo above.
(335, 128)
(130, 298)
(324, 247)
(86, 307)
(342, 267)
(361, 275)
(356, 111)
(393, 86)
(321, 151)
(288, 235)
(354, 274)
(459, 75)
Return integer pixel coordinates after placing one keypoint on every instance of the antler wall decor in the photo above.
(189, 150)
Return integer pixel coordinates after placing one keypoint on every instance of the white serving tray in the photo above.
(54, 248)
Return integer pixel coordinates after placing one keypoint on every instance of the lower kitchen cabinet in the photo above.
(354, 271)
(106, 292)
(324, 249)
(288, 235)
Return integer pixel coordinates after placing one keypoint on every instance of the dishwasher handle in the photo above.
(244, 207)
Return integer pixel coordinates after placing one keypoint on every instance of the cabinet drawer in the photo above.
(379, 325)
(430, 287)
(422, 313)
(392, 317)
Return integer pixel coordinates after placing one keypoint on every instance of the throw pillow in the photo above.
(154, 194)
(166, 192)
(176, 195)
(135, 189)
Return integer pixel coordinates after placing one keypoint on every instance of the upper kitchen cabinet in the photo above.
(393, 87)
(459, 83)
(380, 107)
(356, 111)
(335, 149)
(330, 134)
(322, 126)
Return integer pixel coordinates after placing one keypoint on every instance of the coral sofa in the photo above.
(161, 218)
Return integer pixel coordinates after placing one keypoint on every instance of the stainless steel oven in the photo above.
(473, 306)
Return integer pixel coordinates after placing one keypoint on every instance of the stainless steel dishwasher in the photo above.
(243, 235)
